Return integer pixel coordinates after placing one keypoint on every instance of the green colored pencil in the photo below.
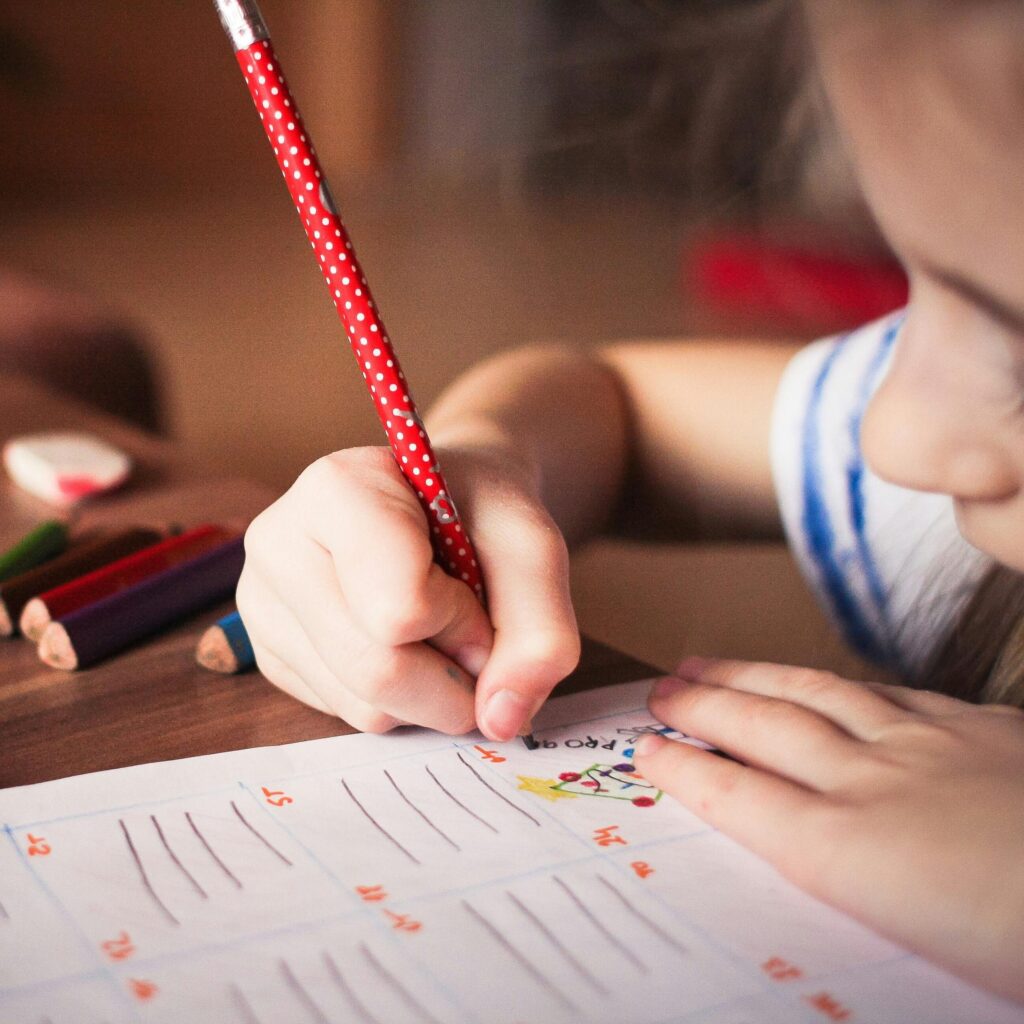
(46, 541)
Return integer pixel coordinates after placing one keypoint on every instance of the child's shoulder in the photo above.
(887, 564)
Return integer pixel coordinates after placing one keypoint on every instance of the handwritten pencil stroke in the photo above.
(301, 994)
(542, 980)
(209, 849)
(569, 957)
(176, 860)
(641, 916)
(451, 842)
(500, 796)
(400, 990)
(244, 1006)
(377, 825)
(620, 947)
(451, 796)
(146, 883)
(347, 991)
(259, 835)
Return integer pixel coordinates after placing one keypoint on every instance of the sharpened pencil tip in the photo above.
(35, 617)
(56, 649)
(215, 653)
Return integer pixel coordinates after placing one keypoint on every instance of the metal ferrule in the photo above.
(242, 21)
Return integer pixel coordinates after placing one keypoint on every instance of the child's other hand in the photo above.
(904, 808)
(348, 611)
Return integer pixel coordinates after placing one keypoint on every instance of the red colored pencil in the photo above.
(108, 626)
(370, 344)
(88, 554)
(110, 579)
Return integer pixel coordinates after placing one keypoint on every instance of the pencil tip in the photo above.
(56, 649)
(34, 620)
(214, 652)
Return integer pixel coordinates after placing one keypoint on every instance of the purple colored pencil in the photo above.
(110, 625)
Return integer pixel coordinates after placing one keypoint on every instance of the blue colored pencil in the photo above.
(225, 647)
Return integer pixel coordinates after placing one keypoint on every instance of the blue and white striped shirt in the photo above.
(888, 564)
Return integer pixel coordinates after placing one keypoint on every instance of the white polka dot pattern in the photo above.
(356, 308)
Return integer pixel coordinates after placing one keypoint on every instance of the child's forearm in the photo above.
(677, 431)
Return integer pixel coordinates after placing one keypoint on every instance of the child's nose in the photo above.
(927, 440)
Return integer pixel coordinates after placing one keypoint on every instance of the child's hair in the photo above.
(716, 102)
(982, 658)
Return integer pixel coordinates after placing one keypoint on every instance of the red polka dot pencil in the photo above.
(359, 315)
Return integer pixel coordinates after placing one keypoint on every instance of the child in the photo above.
(903, 807)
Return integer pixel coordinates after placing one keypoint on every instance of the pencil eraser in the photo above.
(63, 468)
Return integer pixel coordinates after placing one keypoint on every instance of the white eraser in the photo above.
(63, 468)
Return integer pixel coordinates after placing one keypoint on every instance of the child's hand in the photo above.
(904, 808)
(348, 611)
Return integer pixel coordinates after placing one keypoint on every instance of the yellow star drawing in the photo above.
(544, 788)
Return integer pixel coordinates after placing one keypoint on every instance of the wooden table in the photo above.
(154, 702)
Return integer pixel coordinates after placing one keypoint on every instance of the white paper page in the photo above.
(415, 878)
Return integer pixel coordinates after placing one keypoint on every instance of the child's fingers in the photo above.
(536, 640)
(861, 711)
(286, 657)
(355, 712)
(278, 673)
(411, 682)
(768, 815)
(361, 511)
(926, 702)
(776, 735)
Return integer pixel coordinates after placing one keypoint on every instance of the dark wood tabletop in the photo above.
(154, 703)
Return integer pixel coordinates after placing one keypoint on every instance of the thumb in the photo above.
(536, 640)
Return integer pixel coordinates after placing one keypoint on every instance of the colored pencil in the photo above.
(108, 626)
(225, 647)
(79, 559)
(346, 281)
(125, 572)
(46, 541)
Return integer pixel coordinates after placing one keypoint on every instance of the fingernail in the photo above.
(649, 744)
(473, 658)
(504, 712)
(668, 686)
(693, 667)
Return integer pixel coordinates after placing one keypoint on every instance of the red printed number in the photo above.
(120, 948)
(142, 989)
(403, 922)
(829, 1007)
(606, 836)
(37, 846)
(489, 755)
(642, 868)
(277, 797)
(372, 893)
(781, 970)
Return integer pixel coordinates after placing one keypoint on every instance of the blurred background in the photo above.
(510, 171)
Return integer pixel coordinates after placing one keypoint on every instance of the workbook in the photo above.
(417, 878)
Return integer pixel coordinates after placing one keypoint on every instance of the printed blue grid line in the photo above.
(104, 968)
